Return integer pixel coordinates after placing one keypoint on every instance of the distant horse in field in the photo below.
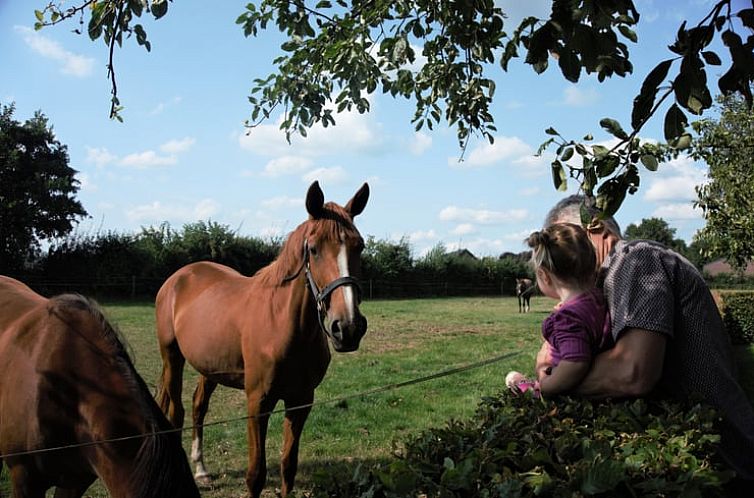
(266, 334)
(524, 290)
(67, 381)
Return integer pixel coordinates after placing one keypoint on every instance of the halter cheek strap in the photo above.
(321, 295)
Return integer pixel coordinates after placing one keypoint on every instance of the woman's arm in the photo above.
(564, 377)
(631, 368)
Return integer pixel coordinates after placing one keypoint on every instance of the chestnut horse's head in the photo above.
(332, 257)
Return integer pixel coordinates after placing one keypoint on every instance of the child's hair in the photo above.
(564, 249)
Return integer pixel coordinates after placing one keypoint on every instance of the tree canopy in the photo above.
(37, 189)
(439, 53)
(726, 144)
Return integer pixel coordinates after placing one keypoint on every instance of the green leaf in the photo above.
(559, 178)
(39, 15)
(650, 162)
(600, 151)
(614, 128)
(551, 131)
(628, 33)
(711, 58)
(567, 154)
(675, 123)
(602, 476)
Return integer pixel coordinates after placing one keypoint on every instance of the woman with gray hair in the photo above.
(669, 336)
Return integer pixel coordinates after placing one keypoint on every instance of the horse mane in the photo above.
(161, 467)
(333, 220)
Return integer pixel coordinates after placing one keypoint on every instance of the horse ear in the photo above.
(359, 201)
(315, 199)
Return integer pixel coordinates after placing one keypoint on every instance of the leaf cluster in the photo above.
(109, 20)
(617, 170)
(522, 447)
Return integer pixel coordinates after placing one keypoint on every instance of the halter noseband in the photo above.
(321, 295)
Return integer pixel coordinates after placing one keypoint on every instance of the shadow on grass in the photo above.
(232, 480)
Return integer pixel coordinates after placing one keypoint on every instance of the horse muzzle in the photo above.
(346, 335)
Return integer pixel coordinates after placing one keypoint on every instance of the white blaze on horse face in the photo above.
(348, 296)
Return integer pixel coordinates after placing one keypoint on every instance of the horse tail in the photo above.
(170, 383)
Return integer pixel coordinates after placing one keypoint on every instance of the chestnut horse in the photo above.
(524, 290)
(68, 382)
(265, 334)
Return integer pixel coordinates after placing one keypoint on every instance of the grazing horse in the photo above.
(265, 334)
(524, 290)
(67, 381)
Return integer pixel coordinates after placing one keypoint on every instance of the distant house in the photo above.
(462, 254)
(720, 266)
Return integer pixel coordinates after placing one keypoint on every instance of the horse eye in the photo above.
(313, 251)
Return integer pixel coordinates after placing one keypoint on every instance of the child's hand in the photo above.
(518, 384)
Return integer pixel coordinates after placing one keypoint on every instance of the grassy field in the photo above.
(407, 339)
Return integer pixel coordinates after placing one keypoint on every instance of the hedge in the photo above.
(738, 315)
(523, 447)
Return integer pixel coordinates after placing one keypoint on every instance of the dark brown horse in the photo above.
(66, 381)
(265, 334)
(524, 290)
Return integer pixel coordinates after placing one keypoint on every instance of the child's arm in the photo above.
(566, 376)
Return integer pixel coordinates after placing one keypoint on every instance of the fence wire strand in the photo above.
(336, 400)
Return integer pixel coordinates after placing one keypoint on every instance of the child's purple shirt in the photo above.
(579, 329)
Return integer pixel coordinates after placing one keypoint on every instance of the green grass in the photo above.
(407, 339)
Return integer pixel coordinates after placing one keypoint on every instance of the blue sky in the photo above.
(182, 153)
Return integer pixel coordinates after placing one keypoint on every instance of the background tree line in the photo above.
(124, 265)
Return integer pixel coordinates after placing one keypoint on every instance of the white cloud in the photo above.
(147, 159)
(287, 165)
(282, 202)
(159, 108)
(574, 96)
(420, 143)
(675, 181)
(177, 146)
(678, 211)
(422, 236)
(158, 212)
(100, 157)
(481, 216)
(205, 209)
(326, 175)
(486, 154)
(85, 183)
(464, 229)
(70, 63)
(354, 132)
(530, 191)
(150, 158)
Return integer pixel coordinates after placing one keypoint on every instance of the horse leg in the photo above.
(24, 485)
(76, 492)
(171, 383)
(259, 409)
(520, 304)
(292, 428)
(204, 389)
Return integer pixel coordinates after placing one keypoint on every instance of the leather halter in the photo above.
(320, 296)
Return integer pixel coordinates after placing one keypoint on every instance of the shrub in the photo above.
(521, 447)
(738, 315)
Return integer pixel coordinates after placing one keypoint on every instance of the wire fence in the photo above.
(335, 400)
(135, 287)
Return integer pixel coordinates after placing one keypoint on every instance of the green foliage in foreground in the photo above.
(521, 446)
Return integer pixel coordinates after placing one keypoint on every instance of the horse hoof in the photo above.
(203, 479)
